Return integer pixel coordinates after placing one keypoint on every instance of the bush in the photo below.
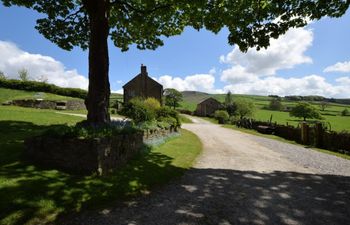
(276, 104)
(166, 114)
(345, 112)
(151, 103)
(222, 116)
(146, 112)
(138, 111)
(42, 87)
(233, 120)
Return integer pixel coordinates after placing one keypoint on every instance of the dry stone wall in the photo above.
(88, 156)
(48, 104)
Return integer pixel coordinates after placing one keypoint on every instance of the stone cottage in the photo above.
(208, 107)
(143, 86)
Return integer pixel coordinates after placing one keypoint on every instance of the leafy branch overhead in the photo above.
(144, 23)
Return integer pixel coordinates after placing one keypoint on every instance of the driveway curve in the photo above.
(242, 179)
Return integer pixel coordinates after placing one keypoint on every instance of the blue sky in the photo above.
(307, 61)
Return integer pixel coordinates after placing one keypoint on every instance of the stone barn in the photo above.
(143, 86)
(208, 107)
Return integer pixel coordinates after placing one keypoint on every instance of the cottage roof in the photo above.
(139, 76)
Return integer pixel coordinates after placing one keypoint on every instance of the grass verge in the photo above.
(32, 195)
(184, 119)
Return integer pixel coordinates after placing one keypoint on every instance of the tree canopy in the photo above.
(172, 97)
(244, 108)
(250, 22)
(305, 110)
(144, 23)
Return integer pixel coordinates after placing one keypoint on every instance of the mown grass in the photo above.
(10, 94)
(33, 195)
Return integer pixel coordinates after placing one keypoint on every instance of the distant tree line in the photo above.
(315, 98)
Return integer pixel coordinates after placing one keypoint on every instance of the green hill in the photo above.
(192, 98)
(11, 94)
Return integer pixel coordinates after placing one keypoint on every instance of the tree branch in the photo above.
(73, 15)
(126, 4)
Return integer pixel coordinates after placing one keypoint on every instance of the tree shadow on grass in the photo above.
(221, 196)
(34, 195)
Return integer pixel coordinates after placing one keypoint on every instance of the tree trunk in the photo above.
(97, 102)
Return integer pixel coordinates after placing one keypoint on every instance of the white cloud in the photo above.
(344, 81)
(255, 72)
(308, 85)
(284, 53)
(197, 82)
(13, 59)
(238, 74)
(212, 71)
(339, 67)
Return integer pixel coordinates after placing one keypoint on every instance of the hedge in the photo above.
(42, 87)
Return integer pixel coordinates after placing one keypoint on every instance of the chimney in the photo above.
(143, 70)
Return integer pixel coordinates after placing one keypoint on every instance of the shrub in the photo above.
(147, 113)
(222, 116)
(231, 109)
(345, 112)
(171, 116)
(233, 120)
(276, 104)
(137, 111)
(151, 103)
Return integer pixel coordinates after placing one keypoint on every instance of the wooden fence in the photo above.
(308, 134)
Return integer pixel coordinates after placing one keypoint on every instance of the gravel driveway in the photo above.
(242, 179)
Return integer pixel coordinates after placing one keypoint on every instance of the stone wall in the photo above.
(48, 104)
(75, 105)
(83, 156)
(88, 156)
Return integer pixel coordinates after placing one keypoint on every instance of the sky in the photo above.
(314, 60)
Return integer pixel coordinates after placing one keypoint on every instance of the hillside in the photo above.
(11, 94)
(192, 98)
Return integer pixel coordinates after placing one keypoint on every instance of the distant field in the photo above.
(10, 94)
(332, 114)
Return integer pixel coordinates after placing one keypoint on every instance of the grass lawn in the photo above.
(32, 195)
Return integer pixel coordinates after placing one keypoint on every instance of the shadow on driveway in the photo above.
(218, 196)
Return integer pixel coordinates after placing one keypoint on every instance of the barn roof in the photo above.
(209, 99)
